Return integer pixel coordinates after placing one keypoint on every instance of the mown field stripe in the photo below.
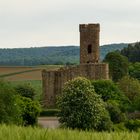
(16, 73)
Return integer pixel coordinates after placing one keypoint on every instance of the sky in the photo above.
(36, 23)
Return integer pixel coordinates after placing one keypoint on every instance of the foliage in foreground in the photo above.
(9, 110)
(116, 101)
(35, 84)
(25, 91)
(81, 108)
(29, 110)
(15, 109)
(133, 125)
(131, 88)
(29, 133)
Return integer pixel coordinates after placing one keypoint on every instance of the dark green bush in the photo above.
(133, 125)
(25, 91)
(116, 114)
(9, 110)
(105, 123)
(109, 91)
(134, 70)
(131, 88)
(30, 110)
(81, 108)
(119, 127)
(49, 112)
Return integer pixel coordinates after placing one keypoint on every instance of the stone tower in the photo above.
(89, 43)
(90, 67)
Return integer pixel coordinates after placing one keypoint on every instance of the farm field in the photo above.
(34, 133)
(26, 75)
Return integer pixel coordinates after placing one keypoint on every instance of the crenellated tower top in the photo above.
(89, 43)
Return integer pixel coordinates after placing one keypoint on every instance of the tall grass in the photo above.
(29, 133)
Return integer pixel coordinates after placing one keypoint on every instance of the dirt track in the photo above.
(48, 122)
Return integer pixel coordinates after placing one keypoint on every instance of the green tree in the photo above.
(30, 110)
(9, 110)
(117, 103)
(115, 112)
(131, 88)
(132, 52)
(25, 91)
(80, 107)
(134, 70)
(118, 65)
(108, 90)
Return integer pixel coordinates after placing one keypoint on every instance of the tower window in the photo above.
(89, 49)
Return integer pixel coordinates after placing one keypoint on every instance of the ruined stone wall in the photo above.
(53, 81)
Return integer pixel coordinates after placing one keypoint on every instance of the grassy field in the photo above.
(29, 133)
(26, 75)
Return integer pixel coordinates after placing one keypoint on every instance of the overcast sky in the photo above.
(33, 23)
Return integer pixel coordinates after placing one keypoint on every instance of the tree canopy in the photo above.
(81, 108)
(118, 65)
(132, 52)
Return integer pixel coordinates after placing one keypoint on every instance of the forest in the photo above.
(48, 55)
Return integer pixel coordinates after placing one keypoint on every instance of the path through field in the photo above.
(48, 122)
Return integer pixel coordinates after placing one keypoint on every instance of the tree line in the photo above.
(48, 55)
(124, 62)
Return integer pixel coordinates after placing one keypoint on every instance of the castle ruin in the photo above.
(90, 66)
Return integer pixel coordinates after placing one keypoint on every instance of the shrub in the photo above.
(136, 104)
(80, 107)
(105, 123)
(25, 91)
(109, 91)
(49, 112)
(116, 114)
(30, 110)
(134, 70)
(9, 110)
(133, 125)
(119, 127)
(131, 88)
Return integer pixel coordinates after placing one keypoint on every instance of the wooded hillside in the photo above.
(48, 55)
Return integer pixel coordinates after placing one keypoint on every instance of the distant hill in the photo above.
(48, 55)
(111, 47)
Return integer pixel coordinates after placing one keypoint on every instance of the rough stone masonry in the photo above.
(90, 66)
